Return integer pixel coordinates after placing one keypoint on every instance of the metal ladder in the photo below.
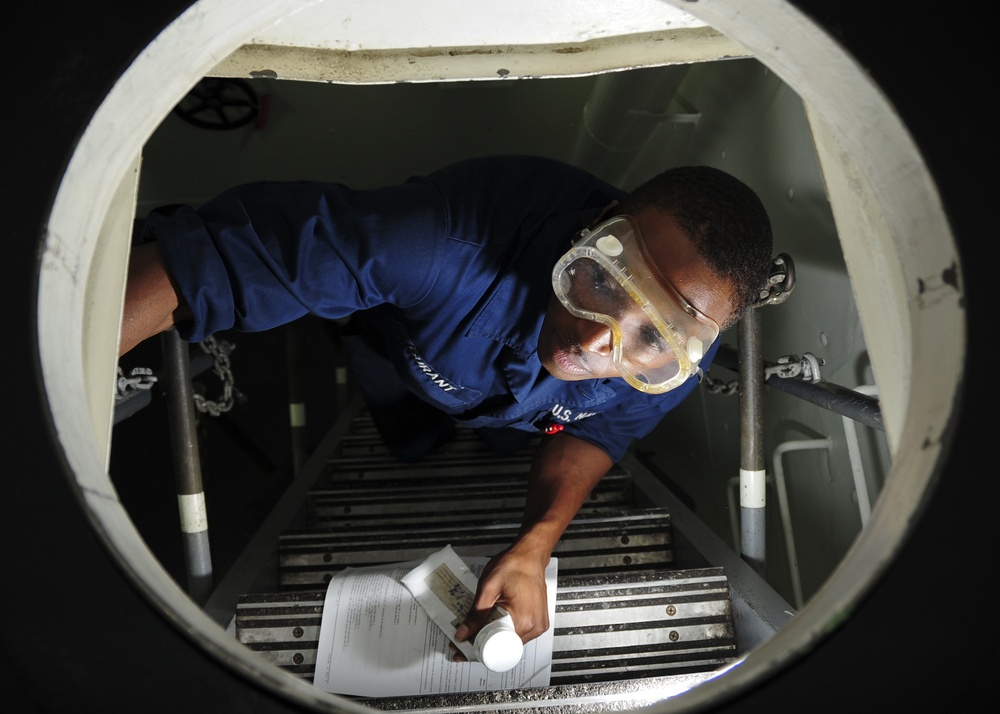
(628, 626)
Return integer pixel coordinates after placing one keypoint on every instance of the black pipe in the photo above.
(862, 408)
(752, 511)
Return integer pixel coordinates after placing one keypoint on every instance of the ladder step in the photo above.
(402, 500)
(363, 441)
(613, 628)
(650, 624)
(359, 468)
(592, 544)
(504, 476)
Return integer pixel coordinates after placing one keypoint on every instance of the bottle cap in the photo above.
(498, 646)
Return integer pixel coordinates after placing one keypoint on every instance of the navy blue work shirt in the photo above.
(456, 267)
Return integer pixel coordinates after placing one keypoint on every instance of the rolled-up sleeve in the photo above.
(263, 254)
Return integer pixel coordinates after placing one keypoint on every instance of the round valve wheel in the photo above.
(219, 104)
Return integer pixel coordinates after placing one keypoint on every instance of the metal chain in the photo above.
(139, 379)
(787, 367)
(778, 287)
(220, 353)
(793, 366)
(780, 282)
(718, 386)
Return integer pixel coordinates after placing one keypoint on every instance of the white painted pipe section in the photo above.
(783, 507)
(753, 493)
(194, 515)
(753, 534)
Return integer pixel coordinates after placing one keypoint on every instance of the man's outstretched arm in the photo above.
(152, 303)
(564, 471)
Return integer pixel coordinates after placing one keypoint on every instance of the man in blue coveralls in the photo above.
(514, 295)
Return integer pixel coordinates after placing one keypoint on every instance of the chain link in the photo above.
(793, 366)
(139, 379)
(787, 367)
(778, 287)
(220, 352)
(780, 282)
(142, 378)
(719, 386)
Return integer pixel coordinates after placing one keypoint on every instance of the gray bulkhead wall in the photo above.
(738, 116)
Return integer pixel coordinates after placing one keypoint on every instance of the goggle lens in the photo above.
(591, 292)
(658, 339)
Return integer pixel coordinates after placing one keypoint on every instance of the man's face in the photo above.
(572, 348)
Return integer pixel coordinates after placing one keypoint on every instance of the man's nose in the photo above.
(595, 337)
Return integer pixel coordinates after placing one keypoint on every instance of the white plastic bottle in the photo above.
(497, 645)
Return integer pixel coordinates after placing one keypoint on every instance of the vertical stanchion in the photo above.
(187, 465)
(341, 375)
(296, 398)
(752, 475)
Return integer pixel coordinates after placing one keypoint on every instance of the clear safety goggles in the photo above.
(658, 338)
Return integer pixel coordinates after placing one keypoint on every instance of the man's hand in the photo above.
(564, 471)
(514, 580)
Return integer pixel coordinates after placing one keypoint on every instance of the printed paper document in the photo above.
(377, 641)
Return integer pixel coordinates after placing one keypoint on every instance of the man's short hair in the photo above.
(725, 219)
